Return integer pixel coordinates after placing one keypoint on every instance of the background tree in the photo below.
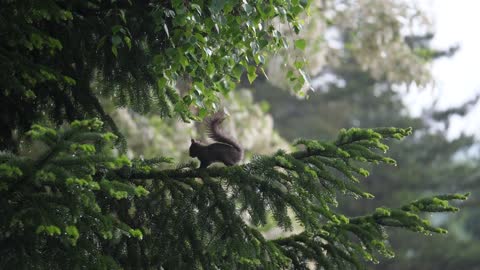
(148, 135)
(70, 198)
(429, 162)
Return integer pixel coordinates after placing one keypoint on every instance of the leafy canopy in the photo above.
(134, 51)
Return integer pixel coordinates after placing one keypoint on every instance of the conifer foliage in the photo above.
(78, 202)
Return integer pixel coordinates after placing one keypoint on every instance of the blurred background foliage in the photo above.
(248, 121)
(359, 57)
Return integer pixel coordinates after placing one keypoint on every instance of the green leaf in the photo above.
(247, 8)
(251, 73)
(122, 16)
(217, 5)
(116, 40)
(128, 41)
(183, 60)
(116, 29)
(300, 44)
(48, 229)
(136, 233)
(197, 8)
(29, 94)
(299, 64)
(73, 234)
(114, 51)
(210, 69)
(69, 80)
(237, 71)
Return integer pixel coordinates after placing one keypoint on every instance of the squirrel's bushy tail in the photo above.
(216, 134)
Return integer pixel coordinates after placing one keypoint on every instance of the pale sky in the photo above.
(457, 79)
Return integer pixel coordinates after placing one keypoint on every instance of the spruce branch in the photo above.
(314, 149)
(130, 206)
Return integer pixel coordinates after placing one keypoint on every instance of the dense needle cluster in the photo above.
(78, 200)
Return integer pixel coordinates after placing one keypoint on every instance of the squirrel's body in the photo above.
(225, 149)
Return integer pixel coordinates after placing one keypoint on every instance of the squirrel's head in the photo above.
(194, 146)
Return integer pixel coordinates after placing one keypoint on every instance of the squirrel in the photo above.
(225, 149)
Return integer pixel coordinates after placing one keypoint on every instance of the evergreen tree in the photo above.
(429, 162)
(70, 198)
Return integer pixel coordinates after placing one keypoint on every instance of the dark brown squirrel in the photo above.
(225, 149)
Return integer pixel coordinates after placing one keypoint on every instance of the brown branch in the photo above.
(204, 172)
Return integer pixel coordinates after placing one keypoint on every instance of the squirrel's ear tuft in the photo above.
(192, 140)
